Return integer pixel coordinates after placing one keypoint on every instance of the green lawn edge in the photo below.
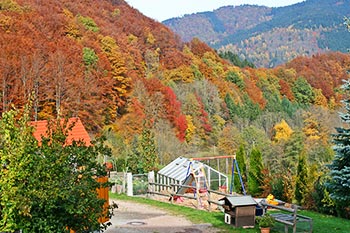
(321, 223)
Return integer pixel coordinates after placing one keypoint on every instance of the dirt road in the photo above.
(133, 217)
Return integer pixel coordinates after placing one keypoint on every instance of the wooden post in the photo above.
(197, 195)
(158, 181)
(173, 193)
(124, 183)
(151, 188)
(226, 166)
(209, 178)
(295, 208)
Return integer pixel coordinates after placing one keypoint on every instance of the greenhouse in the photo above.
(184, 170)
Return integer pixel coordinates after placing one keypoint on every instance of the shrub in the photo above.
(265, 221)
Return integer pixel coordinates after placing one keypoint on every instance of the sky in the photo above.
(161, 10)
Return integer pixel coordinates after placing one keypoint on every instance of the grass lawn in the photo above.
(321, 223)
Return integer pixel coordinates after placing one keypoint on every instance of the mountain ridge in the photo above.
(316, 26)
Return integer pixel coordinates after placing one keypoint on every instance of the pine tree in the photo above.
(148, 150)
(255, 175)
(293, 148)
(301, 180)
(339, 185)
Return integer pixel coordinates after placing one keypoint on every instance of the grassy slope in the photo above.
(321, 223)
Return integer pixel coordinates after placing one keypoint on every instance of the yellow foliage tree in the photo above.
(282, 131)
(311, 129)
(182, 73)
(332, 103)
(132, 39)
(150, 39)
(229, 140)
(213, 62)
(191, 128)
(122, 83)
(151, 62)
(72, 28)
(6, 23)
(10, 5)
(320, 99)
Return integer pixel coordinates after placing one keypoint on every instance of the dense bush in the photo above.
(48, 187)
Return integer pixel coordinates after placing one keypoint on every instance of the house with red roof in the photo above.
(77, 132)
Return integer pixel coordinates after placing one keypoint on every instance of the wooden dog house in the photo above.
(239, 211)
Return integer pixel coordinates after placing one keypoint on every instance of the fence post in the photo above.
(151, 189)
(209, 200)
(124, 183)
(129, 184)
(173, 193)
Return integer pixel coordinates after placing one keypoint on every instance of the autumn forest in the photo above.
(155, 97)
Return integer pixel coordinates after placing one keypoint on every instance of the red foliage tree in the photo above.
(285, 90)
(174, 113)
(198, 47)
(204, 116)
(254, 92)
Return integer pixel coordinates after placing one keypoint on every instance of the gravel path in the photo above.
(133, 217)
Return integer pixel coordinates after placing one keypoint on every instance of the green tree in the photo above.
(51, 187)
(301, 188)
(231, 106)
(255, 175)
(249, 110)
(90, 58)
(241, 161)
(234, 78)
(88, 23)
(288, 107)
(321, 196)
(293, 148)
(148, 150)
(235, 59)
(17, 160)
(134, 161)
(303, 91)
(144, 155)
(274, 103)
(339, 184)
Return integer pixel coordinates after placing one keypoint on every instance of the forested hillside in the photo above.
(155, 97)
(270, 36)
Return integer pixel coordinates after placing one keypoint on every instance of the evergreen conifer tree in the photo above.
(148, 150)
(339, 184)
(301, 180)
(255, 175)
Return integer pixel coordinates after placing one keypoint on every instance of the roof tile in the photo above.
(77, 133)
